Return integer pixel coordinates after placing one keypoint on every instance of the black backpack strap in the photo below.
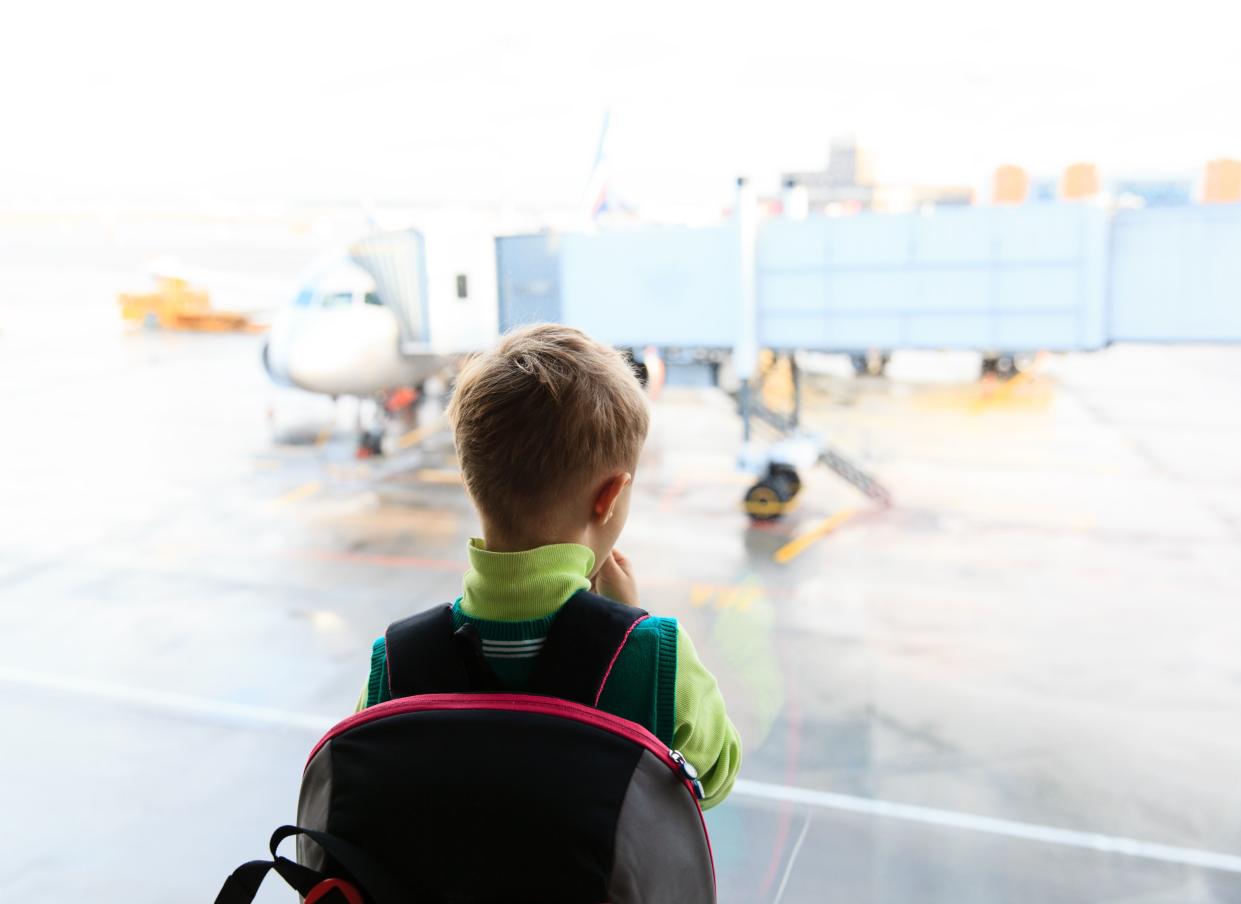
(243, 884)
(583, 643)
(426, 656)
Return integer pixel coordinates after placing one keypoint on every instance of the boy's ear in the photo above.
(605, 499)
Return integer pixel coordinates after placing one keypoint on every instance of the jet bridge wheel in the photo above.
(1004, 365)
(873, 363)
(773, 494)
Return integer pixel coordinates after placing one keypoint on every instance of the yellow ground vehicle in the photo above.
(176, 305)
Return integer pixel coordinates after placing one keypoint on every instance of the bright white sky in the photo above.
(484, 102)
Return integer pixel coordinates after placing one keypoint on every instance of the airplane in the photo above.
(379, 321)
(400, 306)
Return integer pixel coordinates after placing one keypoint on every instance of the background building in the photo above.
(848, 185)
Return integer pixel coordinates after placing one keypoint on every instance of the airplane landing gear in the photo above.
(398, 407)
(370, 444)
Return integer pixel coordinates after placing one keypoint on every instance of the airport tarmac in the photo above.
(1020, 684)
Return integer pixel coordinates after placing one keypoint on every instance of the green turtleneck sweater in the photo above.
(657, 681)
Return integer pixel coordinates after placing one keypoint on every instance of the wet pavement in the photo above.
(1019, 684)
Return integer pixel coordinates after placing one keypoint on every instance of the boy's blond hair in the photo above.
(536, 417)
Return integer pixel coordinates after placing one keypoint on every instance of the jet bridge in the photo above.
(999, 280)
(1054, 277)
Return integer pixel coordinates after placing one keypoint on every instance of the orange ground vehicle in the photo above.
(177, 305)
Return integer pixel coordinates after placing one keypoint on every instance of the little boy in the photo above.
(548, 428)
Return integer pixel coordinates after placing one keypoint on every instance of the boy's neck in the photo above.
(502, 543)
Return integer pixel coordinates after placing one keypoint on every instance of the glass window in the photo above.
(336, 300)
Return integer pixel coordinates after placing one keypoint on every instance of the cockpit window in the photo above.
(372, 298)
(304, 298)
(336, 300)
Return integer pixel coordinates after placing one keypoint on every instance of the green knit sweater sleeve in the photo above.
(704, 734)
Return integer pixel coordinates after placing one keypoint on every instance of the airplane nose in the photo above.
(277, 374)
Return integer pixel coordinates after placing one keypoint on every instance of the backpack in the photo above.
(455, 792)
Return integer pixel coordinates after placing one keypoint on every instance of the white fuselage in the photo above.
(338, 339)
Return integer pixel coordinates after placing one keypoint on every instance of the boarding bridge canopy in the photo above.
(1060, 277)
(1176, 275)
(397, 263)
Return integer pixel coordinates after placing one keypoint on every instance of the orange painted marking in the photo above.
(381, 560)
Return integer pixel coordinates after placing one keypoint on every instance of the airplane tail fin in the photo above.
(595, 201)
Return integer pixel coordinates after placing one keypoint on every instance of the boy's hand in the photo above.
(615, 580)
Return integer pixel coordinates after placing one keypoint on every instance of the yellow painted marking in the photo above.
(327, 622)
(305, 491)
(418, 434)
(726, 596)
(438, 475)
(795, 547)
(700, 594)
(1001, 394)
(740, 597)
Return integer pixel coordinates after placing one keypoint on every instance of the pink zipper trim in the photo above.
(522, 703)
(616, 656)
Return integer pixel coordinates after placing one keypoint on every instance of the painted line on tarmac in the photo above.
(794, 548)
(788, 868)
(381, 560)
(1025, 831)
(418, 434)
(446, 476)
(297, 494)
(247, 714)
(168, 701)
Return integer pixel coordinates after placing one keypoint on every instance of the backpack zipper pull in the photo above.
(691, 774)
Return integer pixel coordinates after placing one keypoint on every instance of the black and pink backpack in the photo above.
(455, 792)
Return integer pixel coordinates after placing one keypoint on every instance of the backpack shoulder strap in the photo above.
(377, 690)
(666, 688)
(426, 655)
(583, 643)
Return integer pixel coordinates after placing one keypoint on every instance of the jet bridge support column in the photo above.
(745, 351)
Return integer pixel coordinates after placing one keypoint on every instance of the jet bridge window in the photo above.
(463, 290)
